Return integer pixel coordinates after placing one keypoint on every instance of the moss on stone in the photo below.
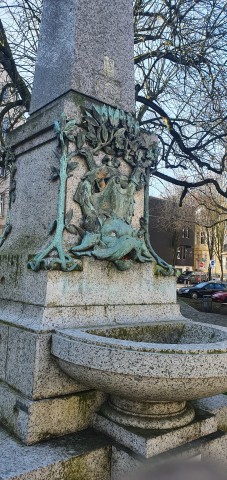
(160, 333)
(87, 467)
(86, 399)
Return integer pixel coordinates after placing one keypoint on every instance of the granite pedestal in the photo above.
(85, 58)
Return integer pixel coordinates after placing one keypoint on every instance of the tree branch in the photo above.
(187, 185)
(178, 138)
(8, 63)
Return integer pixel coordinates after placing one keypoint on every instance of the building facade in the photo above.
(186, 247)
(201, 251)
(174, 245)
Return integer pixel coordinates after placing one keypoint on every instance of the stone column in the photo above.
(85, 58)
(86, 47)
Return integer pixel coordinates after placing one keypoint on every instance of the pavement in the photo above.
(213, 318)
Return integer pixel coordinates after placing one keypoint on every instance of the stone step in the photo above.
(149, 443)
(217, 405)
(35, 421)
(211, 448)
(85, 455)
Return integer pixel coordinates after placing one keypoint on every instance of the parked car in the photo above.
(216, 278)
(198, 277)
(184, 276)
(183, 291)
(203, 288)
(192, 277)
(220, 297)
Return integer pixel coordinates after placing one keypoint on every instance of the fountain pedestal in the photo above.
(150, 442)
(78, 223)
(151, 372)
(148, 415)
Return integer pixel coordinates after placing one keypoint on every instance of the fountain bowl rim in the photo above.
(82, 335)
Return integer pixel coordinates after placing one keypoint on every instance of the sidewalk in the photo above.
(190, 312)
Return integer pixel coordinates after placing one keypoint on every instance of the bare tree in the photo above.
(19, 30)
(180, 58)
(219, 244)
(19, 26)
(211, 215)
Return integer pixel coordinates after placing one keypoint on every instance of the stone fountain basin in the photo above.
(160, 361)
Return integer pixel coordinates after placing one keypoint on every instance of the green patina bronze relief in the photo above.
(106, 195)
(53, 257)
(120, 159)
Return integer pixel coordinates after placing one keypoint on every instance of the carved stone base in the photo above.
(37, 400)
(149, 415)
(33, 421)
(100, 294)
(152, 442)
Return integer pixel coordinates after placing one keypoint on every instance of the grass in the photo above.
(198, 304)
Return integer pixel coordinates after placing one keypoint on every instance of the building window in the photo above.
(185, 232)
(2, 204)
(202, 238)
(181, 253)
(2, 172)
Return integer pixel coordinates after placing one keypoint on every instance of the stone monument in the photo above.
(76, 253)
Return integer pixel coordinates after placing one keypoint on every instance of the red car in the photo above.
(219, 297)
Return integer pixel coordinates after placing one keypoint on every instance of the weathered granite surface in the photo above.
(91, 59)
(27, 364)
(170, 362)
(216, 405)
(33, 421)
(149, 443)
(80, 456)
(148, 415)
(124, 462)
(99, 294)
(206, 455)
(86, 49)
(4, 331)
(44, 319)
